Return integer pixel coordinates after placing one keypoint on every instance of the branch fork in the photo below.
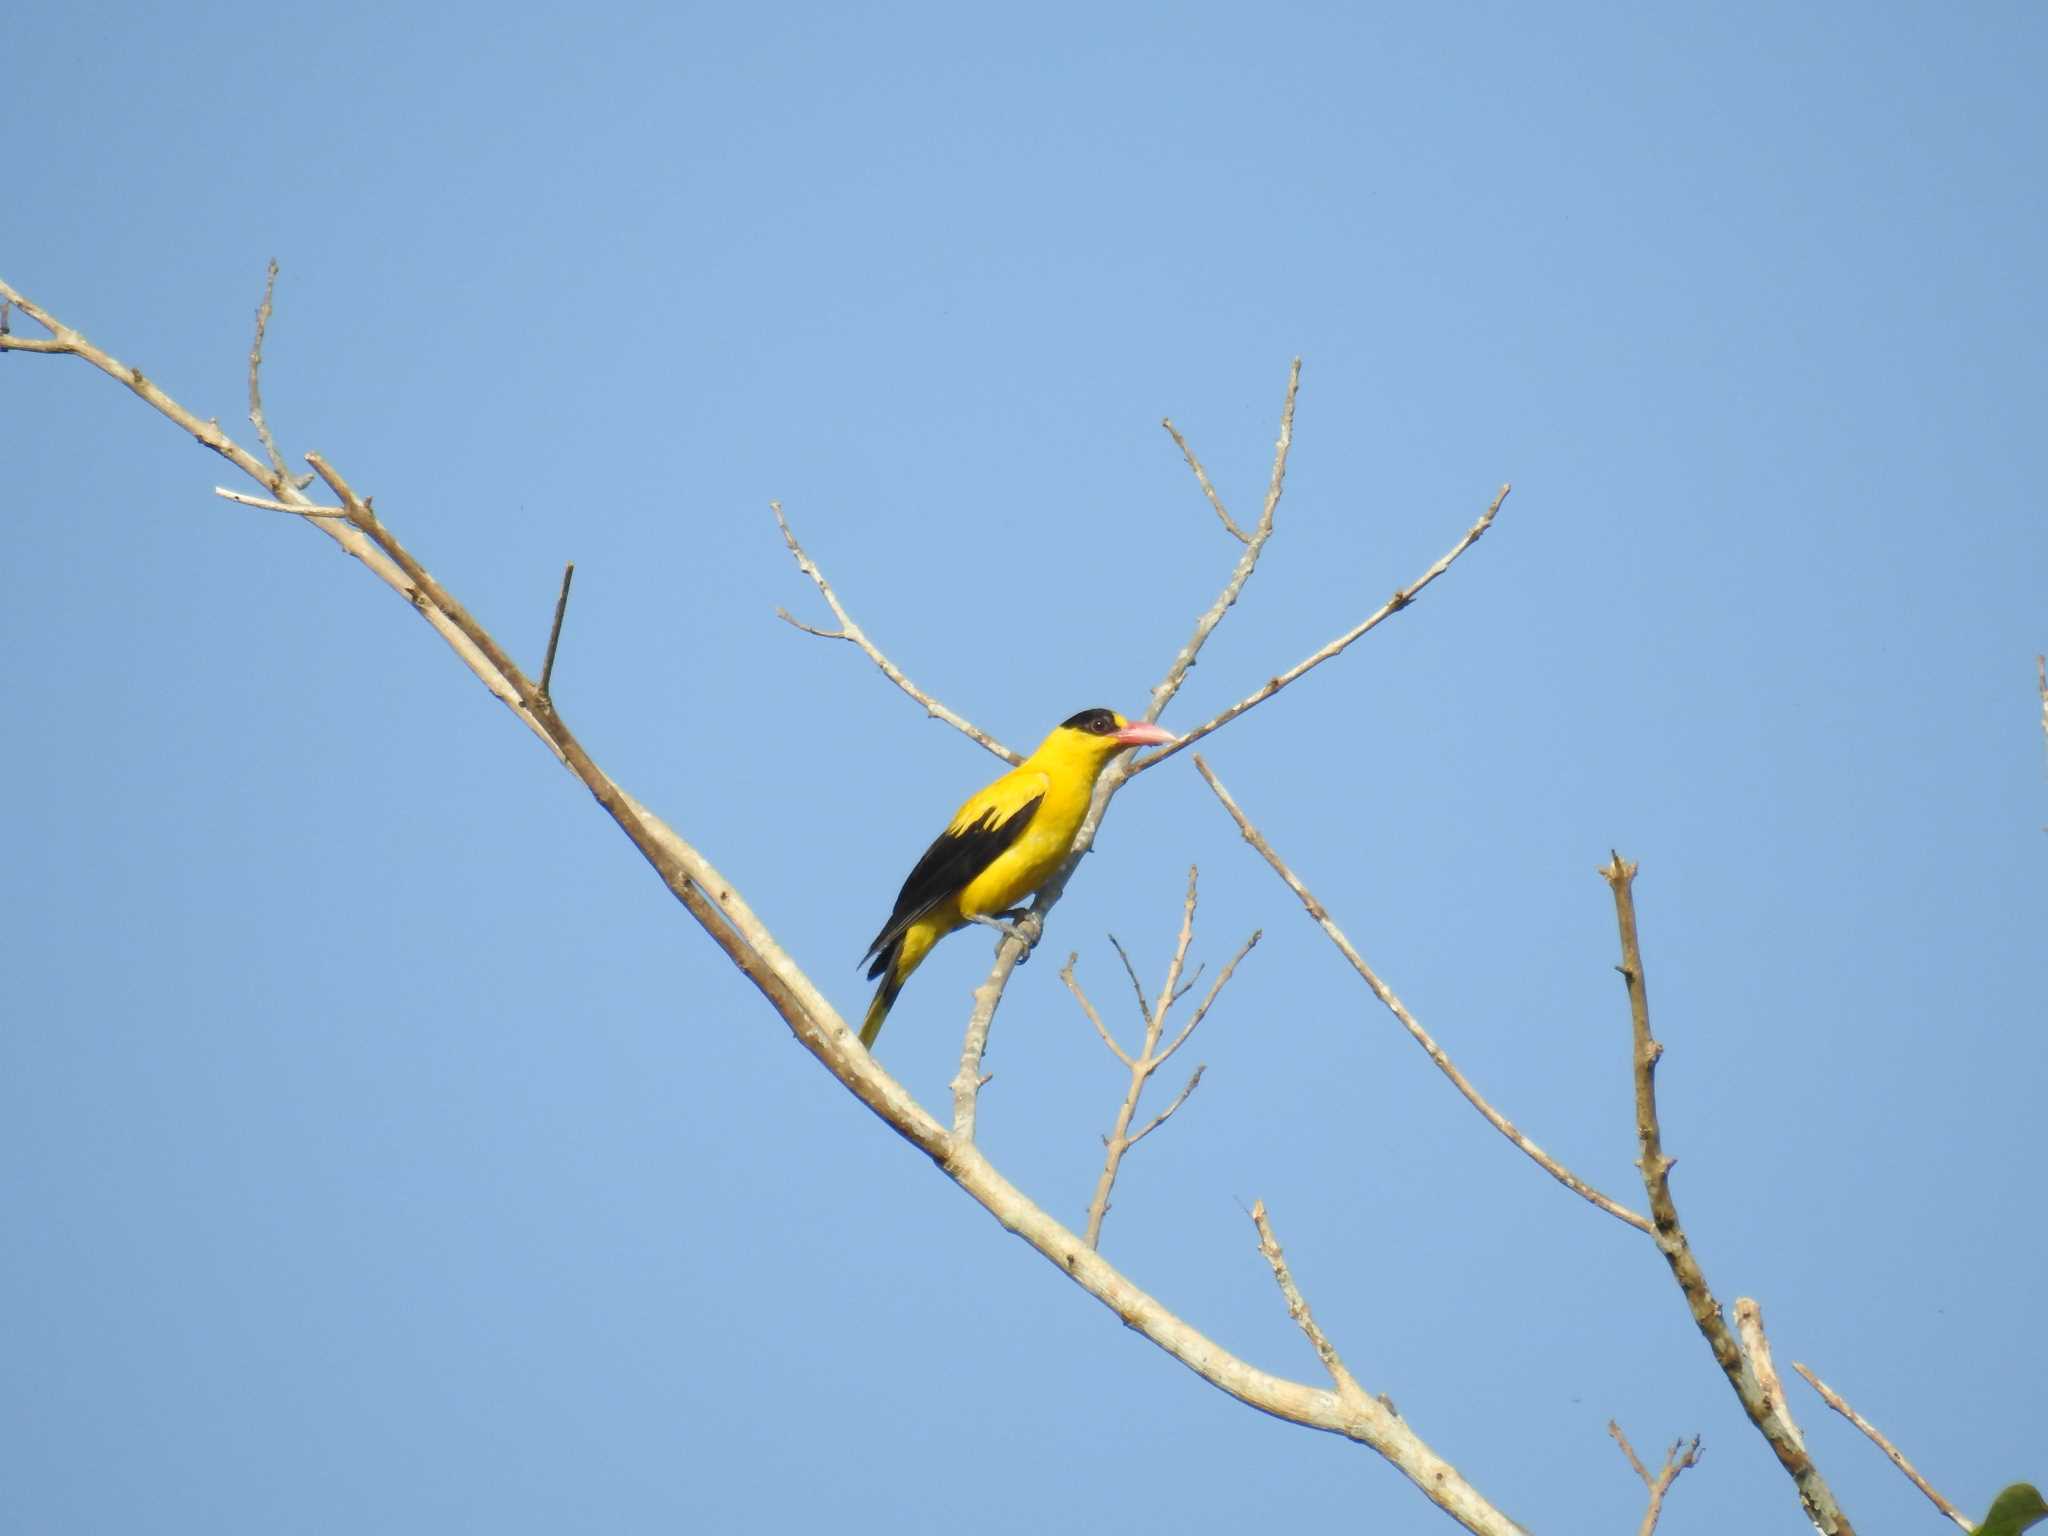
(1150, 1056)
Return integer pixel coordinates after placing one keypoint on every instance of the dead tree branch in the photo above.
(1393, 605)
(1202, 478)
(1421, 1036)
(1836, 1401)
(1297, 1307)
(749, 943)
(1676, 1460)
(1150, 1058)
(1814, 1494)
(855, 635)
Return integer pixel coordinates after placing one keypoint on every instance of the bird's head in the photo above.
(1102, 733)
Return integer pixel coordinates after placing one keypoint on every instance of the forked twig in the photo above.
(855, 635)
(1254, 546)
(1149, 1058)
(1836, 1401)
(1408, 1021)
(1676, 1460)
(1202, 479)
(1393, 605)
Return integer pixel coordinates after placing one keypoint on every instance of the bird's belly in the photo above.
(1018, 871)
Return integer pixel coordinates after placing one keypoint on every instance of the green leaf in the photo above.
(2013, 1511)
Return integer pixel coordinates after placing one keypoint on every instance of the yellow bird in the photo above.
(1001, 846)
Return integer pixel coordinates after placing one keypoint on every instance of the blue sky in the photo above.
(384, 1151)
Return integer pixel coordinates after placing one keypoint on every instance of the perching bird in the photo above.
(2018, 1507)
(1001, 846)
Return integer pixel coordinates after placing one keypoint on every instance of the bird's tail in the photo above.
(878, 1010)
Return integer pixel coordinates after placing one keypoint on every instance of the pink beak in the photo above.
(1140, 733)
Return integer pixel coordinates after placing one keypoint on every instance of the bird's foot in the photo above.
(1019, 923)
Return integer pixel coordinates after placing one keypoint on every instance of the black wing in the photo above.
(953, 860)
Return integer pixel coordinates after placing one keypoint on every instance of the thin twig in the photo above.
(1297, 1307)
(268, 505)
(855, 635)
(1421, 1036)
(1142, 1066)
(1165, 1114)
(1184, 659)
(547, 666)
(1815, 1496)
(1202, 1010)
(1629, 1451)
(1137, 986)
(1836, 1401)
(1087, 1007)
(256, 369)
(1676, 1460)
(1202, 478)
(1393, 605)
(2041, 681)
(1149, 1058)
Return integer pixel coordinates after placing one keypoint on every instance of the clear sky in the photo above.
(381, 1149)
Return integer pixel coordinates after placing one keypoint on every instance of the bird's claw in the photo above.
(1019, 923)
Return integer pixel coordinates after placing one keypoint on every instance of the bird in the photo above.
(1000, 846)
(2015, 1508)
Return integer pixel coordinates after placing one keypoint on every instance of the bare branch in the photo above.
(1836, 1401)
(1157, 1019)
(1202, 478)
(853, 633)
(1421, 1036)
(1297, 1308)
(1814, 1494)
(1119, 1140)
(810, 629)
(1137, 986)
(747, 942)
(547, 666)
(1216, 986)
(269, 505)
(967, 1082)
(1629, 1451)
(256, 369)
(1676, 1460)
(1073, 986)
(1756, 1346)
(2041, 682)
(1393, 605)
(1184, 660)
(1150, 1057)
(1167, 1113)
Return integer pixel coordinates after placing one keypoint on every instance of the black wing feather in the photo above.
(952, 861)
